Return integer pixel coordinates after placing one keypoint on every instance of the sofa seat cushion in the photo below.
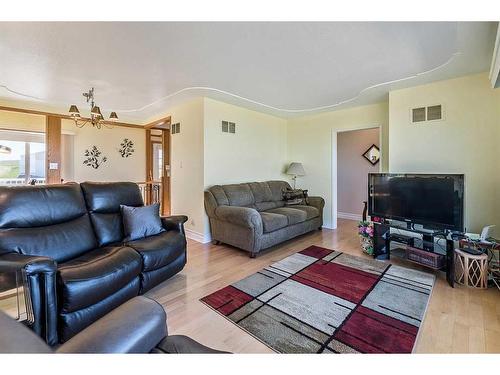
(293, 215)
(311, 212)
(95, 275)
(159, 250)
(272, 221)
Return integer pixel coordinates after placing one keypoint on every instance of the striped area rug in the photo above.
(325, 301)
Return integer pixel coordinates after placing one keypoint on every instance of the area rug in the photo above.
(325, 301)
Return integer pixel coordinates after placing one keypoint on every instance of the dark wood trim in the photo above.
(53, 149)
(157, 124)
(149, 157)
(66, 117)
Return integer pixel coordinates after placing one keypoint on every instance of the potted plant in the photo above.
(365, 231)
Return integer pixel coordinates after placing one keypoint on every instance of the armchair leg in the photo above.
(215, 242)
(320, 228)
(253, 255)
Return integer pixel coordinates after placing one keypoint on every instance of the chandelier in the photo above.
(96, 119)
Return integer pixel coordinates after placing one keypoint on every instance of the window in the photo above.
(22, 157)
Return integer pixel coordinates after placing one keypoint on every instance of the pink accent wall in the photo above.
(353, 168)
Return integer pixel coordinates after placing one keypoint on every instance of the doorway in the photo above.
(350, 170)
(157, 186)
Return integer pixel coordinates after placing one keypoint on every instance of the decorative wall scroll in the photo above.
(126, 148)
(94, 158)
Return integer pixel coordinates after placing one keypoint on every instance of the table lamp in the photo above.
(295, 169)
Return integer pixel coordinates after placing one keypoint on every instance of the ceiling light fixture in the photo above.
(96, 117)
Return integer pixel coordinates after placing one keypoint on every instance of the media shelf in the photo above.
(382, 238)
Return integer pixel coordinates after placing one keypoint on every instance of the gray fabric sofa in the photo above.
(253, 216)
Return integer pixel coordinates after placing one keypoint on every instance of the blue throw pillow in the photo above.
(140, 222)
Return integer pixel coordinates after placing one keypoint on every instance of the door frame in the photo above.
(165, 180)
(335, 132)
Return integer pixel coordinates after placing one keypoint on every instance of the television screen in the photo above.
(434, 201)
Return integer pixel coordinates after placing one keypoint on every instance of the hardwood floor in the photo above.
(458, 320)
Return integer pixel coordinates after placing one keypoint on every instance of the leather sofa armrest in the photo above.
(174, 222)
(179, 344)
(40, 274)
(137, 326)
(30, 264)
(244, 216)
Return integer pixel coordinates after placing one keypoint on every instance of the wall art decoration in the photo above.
(94, 157)
(126, 148)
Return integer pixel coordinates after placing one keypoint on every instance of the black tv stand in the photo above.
(382, 238)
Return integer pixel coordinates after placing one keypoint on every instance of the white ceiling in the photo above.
(287, 69)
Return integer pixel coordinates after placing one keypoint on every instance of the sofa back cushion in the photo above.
(45, 220)
(259, 195)
(103, 201)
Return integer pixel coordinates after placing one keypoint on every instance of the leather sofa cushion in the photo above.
(294, 215)
(160, 250)
(273, 221)
(103, 200)
(106, 197)
(90, 278)
(60, 242)
(141, 222)
(310, 211)
(37, 206)
(108, 228)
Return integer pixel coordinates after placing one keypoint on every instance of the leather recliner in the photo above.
(68, 240)
(137, 326)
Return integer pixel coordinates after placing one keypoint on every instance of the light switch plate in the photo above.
(53, 165)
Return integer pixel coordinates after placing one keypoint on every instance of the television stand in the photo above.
(382, 238)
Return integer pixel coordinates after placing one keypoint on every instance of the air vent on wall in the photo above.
(228, 127)
(176, 128)
(434, 113)
(423, 114)
(418, 114)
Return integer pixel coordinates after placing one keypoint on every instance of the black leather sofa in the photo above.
(68, 240)
(137, 326)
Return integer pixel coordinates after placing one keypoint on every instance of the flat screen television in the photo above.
(435, 201)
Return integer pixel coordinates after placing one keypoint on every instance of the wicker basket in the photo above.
(425, 258)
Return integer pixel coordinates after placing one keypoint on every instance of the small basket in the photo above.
(425, 258)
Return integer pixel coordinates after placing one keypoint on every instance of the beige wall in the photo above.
(310, 142)
(257, 152)
(187, 166)
(108, 141)
(22, 121)
(353, 169)
(466, 141)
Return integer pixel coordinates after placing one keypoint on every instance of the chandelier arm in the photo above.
(80, 124)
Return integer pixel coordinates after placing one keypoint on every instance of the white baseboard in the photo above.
(197, 236)
(349, 216)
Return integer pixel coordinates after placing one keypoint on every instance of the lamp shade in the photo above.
(113, 116)
(73, 111)
(296, 169)
(96, 111)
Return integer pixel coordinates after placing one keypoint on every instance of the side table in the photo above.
(471, 270)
